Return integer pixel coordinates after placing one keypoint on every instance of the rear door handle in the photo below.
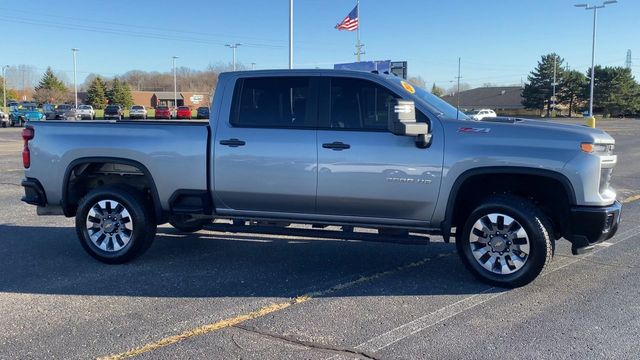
(336, 145)
(232, 142)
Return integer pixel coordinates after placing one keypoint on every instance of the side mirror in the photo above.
(402, 122)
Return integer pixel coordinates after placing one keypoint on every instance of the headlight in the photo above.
(603, 149)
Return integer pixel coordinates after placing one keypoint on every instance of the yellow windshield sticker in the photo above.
(408, 87)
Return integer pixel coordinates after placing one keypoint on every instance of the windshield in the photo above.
(183, 108)
(64, 107)
(84, 107)
(440, 107)
(136, 107)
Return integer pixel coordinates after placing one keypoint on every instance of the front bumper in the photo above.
(33, 192)
(589, 225)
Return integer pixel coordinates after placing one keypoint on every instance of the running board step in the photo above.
(327, 234)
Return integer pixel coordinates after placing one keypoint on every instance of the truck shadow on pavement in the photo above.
(49, 260)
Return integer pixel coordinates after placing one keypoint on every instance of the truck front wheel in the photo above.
(115, 224)
(506, 241)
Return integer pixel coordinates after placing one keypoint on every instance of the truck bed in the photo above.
(175, 152)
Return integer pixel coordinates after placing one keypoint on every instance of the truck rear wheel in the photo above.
(114, 224)
(506, 241)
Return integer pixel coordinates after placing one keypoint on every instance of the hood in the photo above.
(548, 129)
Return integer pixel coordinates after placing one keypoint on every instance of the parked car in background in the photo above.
(4, 119)
(202, 112)
(114, 112)
(24, 112)
(63, 112)
(49, 111)
(137, 112)
(163, 112)
(482, 113)
(86, 112)
(184, 112)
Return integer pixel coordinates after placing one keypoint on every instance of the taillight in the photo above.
(27, 134)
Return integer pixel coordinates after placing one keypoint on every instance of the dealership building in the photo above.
(192, 99)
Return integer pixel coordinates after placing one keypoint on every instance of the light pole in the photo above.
(233, 47)
(595, 8)
(253, 66)
(175, 83)
(290, 34)
(4, 86)
(75, 81)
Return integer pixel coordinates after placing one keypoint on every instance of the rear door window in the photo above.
(269, 102)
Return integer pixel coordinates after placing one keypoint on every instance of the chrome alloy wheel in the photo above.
(499, 243)
(109, 225)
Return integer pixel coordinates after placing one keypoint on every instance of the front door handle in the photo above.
(336, 145)
(232, 142)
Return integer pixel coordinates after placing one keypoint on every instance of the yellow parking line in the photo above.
(205, 329)
(631, 199)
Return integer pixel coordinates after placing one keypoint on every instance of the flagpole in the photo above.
(358, 45)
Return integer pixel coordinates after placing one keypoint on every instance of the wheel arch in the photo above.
(69, 208)
(468, 177)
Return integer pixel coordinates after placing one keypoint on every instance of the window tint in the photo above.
(359, 104)
(272, 102)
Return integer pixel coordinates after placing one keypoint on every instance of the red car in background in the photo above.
(184, 112)
(163, 112)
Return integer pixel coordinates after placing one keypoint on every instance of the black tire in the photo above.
(539, 234)
(187, 225)
(141, 218)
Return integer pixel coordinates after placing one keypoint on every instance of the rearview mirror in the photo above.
(402, 122)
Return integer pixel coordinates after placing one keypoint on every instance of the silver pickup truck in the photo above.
(326, 147)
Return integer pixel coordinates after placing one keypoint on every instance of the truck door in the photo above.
(363, 169)
(265, 149)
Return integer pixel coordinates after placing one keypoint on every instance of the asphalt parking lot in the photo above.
(246, 296)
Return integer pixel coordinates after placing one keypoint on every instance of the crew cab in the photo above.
(331, 147)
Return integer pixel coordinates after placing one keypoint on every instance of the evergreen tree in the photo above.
(120, 94)
(97, 93)
(437, 91)
(51, 89)
(616, 91)
(571, 91)
(538, 91)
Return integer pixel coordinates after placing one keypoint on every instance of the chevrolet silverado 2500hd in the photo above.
(332, 147)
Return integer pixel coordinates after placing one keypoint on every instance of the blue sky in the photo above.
(499, 41)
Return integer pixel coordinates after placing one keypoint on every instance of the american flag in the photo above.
(350, 23)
